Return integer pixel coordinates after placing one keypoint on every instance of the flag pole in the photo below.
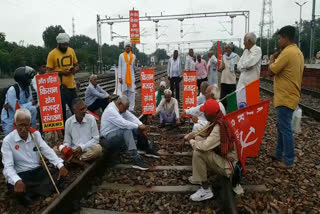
(44, 163)
(230, 93)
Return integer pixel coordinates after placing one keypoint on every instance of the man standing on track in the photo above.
(127, 77)
(63, 60)
(250, 62)
(174, 74)
(212, 69)
(190, 64)
(228, 75)
(287, 68)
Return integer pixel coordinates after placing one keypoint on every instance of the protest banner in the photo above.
(247, 125)
(134, 26)
(189, 80)
(148, 91)
(50, 102)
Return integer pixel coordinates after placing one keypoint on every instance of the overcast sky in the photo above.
(26, 20)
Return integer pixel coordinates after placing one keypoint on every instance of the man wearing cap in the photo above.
(213, 149)
(63, 60)
(160, 92)
(127, 77)
(18, 95)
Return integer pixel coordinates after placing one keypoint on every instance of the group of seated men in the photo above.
(121, 131)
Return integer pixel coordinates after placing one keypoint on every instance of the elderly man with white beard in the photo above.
(250, 62)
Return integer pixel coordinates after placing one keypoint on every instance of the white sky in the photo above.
(26, 20)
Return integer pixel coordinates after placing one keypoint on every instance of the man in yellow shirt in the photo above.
(287, 68)
(63, 60)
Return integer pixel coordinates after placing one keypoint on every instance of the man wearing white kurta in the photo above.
(212, 69)
(120, 128)
(190, 64)
(198, 117)
(127, 77)
(250, 61)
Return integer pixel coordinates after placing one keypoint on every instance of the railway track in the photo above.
(313, 93)
(305, 103)
(164, 188)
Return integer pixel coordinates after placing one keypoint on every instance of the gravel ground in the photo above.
(8, 203)
(295, 190)
(148, 202)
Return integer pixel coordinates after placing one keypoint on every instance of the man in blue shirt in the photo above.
(22, 95)
(96, 97)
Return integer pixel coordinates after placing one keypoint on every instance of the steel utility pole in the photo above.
(266, 23)
(313, 19)
(300, 22)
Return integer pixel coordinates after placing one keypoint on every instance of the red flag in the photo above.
(219, 54)
(93, 114)
(247, 125)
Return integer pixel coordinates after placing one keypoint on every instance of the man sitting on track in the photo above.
(202, 97)
(21, 160)
(81, 136)
(198, 117)
(214, 149)
(168, 109)
(119, 128)
(96, 97)
(160, 92)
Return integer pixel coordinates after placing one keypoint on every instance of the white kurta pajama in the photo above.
(129, 91)
(249, 65)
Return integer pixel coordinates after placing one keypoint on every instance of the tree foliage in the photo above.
(13, 56)
(305, 40)
(160, 54)
(50, 34)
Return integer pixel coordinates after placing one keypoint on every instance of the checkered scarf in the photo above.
(226, 137)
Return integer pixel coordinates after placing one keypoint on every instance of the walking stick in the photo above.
(44, 163)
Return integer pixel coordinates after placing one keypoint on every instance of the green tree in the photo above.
(50, 34)
(2, 37)
(305, 40)
(160, 54)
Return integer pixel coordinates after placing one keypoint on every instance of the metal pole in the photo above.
(99, 44)
(312, 31)
(300, 23)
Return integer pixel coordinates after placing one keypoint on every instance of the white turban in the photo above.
(63, 38)
(163, 83)
(126, 43)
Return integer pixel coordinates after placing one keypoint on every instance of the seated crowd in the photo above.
(120, 132)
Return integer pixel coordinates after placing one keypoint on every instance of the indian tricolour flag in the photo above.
(245, 96)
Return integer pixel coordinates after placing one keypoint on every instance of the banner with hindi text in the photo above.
(148, 91)
(189, 80)
(50, 102)
(134, 26)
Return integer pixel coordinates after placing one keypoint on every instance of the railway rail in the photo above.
(309, 105)
(106, 188)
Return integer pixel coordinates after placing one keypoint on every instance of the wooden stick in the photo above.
(44, 163)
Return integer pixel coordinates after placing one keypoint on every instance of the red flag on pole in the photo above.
(247, 125)
(219, 54)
